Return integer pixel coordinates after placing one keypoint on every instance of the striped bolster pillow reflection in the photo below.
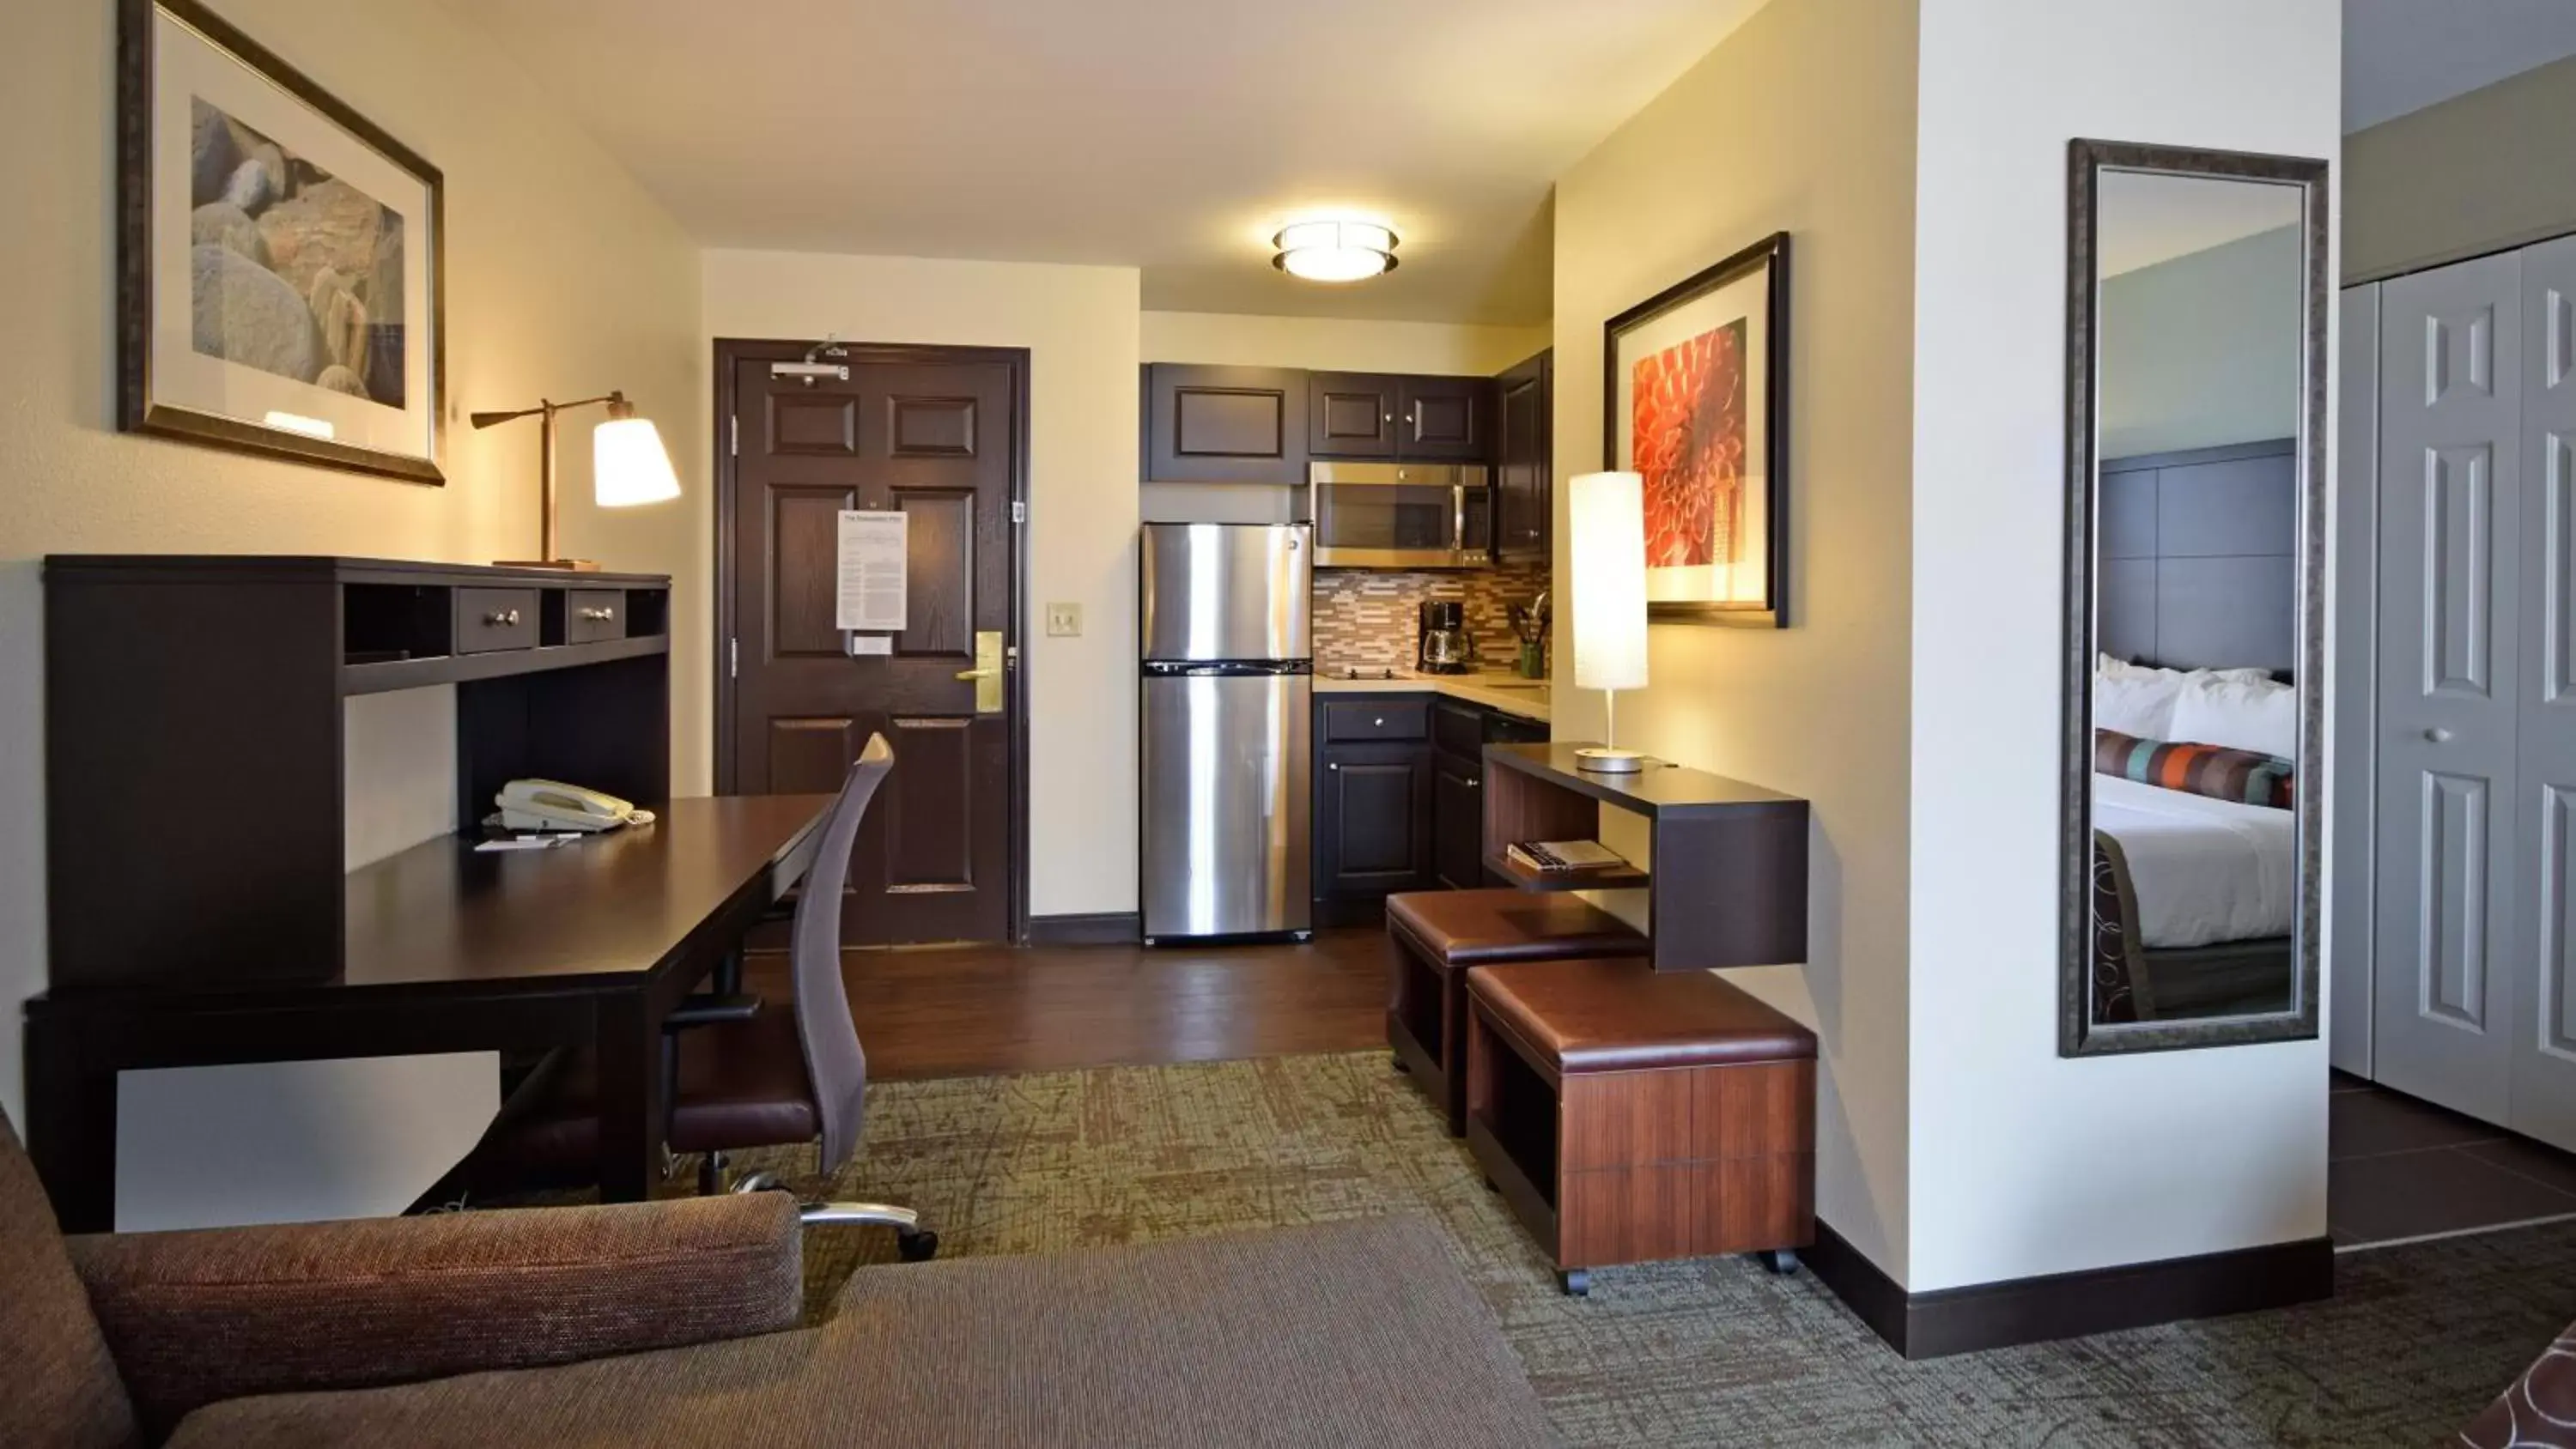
(2242, 776)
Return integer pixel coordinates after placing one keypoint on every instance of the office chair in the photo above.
(739, 1072)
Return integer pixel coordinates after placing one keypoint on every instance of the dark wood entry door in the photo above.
(935, 433)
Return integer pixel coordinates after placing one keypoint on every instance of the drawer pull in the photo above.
(599, 616)
(1380, 721)
(501, 618)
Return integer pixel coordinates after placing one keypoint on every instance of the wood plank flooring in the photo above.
(976, 1010)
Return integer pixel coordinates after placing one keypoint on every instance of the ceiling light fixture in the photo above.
(1334, 251)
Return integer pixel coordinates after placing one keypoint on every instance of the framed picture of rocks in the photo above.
(280, 274)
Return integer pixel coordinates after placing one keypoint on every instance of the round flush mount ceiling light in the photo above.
(1334, 251)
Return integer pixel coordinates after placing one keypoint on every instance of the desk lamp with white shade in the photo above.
(1607, 527)
(628, 467)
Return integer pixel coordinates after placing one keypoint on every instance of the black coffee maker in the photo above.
(1445, 647)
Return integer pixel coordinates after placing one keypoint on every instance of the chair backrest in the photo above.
(58, 1384)
(834, 1061)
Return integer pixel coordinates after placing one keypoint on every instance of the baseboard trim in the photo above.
(1101, 928)
(2070, 1305)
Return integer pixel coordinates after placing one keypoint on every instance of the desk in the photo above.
(448, 949)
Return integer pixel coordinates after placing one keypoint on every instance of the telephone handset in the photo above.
(554, 805)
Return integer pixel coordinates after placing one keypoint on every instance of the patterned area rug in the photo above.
(1714, 1351)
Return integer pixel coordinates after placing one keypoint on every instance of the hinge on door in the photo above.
(735, 445)
(733, 659)
(1019, 511)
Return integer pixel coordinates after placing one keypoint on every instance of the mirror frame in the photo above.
(2078, 1035)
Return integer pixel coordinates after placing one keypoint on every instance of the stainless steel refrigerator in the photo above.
(1227, 689)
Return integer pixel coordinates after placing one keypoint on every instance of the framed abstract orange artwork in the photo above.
(1697, 405)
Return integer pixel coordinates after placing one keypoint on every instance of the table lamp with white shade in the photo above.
(628, 467)
(1606, 517)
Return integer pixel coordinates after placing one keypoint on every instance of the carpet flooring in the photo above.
(1707, 1352)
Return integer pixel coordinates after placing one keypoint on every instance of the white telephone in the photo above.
(554, 805)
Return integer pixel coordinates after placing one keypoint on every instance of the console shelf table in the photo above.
(1726, 874)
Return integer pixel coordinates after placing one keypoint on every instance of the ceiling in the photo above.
(2404, 55)
(1170, 135)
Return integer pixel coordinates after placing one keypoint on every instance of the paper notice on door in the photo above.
(871, 590)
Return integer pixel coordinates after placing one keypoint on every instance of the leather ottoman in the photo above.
(1629, 1115)
(1435, 936)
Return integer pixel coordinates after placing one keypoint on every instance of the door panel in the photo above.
(2449, 561)
(804, 540)
(1224, 424)
(932, 433)
(2544, 868)
(1225, 770)
(1353, 415)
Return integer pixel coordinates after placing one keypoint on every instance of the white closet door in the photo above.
(2349, 715)
(2449, 552)
(2544, 865)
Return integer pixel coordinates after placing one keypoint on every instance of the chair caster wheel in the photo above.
(1782, 1261)
(917, 1247)
(1576, 1282)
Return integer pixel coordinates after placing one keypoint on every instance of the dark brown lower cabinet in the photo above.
(1372, 822)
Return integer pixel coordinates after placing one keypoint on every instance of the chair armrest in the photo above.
(711, 1010)
(200, 1316)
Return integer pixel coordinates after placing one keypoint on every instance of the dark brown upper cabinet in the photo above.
(1224, 424)
(1352, 414)
(1524, 495)
(1444, 419)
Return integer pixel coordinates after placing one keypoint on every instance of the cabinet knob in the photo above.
(1332, 764)
(2438, 735)
(1380, 721)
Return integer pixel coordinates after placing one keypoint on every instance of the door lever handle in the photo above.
(979, 673)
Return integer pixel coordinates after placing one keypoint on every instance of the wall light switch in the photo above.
(1064, 619)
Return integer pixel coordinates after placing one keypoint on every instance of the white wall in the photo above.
(2023, 1163)
(1329, 344)
(563, 278)
(1080, 326)
(1803, 120)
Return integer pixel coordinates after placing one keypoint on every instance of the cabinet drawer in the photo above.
(1458, 729)
(490, 619)
(1377, 719)
(591, 615)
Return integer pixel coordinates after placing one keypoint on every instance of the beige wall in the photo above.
(563, 277)
(1330, 344)
(1080, 326)
(2023, 1162)
(1802, 121)
(2477, 173)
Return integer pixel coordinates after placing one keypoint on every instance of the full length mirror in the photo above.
(2195, 568)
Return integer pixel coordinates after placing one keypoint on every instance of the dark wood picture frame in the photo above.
(2078, 1035)
(1771, 255)
(138, 410)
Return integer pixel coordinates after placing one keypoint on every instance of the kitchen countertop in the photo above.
(1477, 688)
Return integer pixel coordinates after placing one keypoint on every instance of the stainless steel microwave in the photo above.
(1402, 515)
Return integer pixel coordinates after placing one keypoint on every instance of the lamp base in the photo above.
(569, 565)
(1603, 760)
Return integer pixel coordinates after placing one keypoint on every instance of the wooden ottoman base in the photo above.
(1435, 936)
(1628, 1116)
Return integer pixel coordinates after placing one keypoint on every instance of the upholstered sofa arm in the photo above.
(196, 1317)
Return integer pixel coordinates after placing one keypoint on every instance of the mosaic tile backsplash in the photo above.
(1368, 618)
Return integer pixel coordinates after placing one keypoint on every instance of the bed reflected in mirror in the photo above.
(2194, 557)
